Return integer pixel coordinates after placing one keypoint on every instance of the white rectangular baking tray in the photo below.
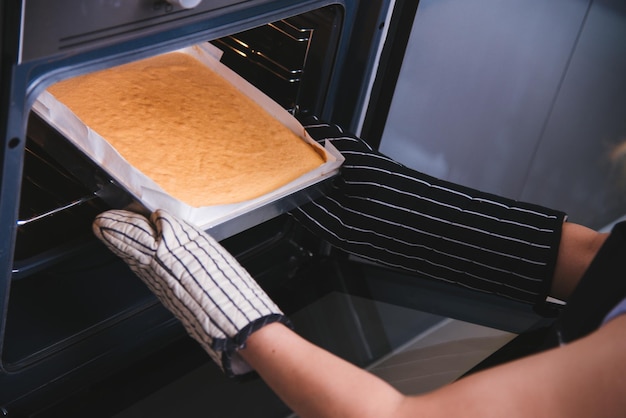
(221, 220)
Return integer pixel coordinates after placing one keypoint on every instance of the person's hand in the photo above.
(202, 284)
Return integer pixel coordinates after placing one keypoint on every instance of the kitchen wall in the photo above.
(523, 98)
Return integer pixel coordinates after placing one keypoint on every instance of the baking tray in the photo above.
(221, 221)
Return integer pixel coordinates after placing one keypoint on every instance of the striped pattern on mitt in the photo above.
(203, 285)
(385, 212)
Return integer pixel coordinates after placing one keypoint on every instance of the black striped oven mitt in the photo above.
(202, 284)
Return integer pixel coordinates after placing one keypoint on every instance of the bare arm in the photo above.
(569, 381)
(585, 378)
(578, 247)
(314, 382)
(582, 379)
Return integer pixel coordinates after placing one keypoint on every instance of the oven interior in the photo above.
(62, 190)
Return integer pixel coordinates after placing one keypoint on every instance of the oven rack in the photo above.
(272, 57)
(61, 193)
(55, 213)
(261, 53)
(47, 188)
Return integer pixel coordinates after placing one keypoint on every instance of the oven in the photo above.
(81, 336)
(72, 314)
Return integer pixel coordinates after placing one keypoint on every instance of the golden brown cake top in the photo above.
(188, 129)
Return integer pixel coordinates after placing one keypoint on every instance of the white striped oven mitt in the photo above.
(202, 284)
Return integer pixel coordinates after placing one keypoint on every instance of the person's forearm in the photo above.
(314, 382)
(578, 247)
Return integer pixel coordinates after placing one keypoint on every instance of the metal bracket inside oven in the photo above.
(110, 193)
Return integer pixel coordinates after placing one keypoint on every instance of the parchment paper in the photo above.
(147, 191)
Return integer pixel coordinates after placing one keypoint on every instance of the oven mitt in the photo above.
(202, 284)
